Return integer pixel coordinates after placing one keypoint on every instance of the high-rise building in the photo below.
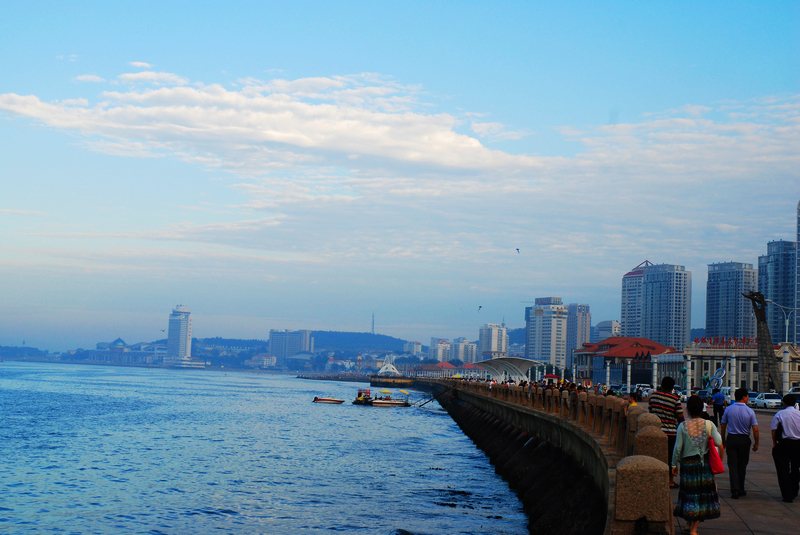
(631, 313)
(777, 280)
(728, 313)
(546, 331)
(606, 329)
(666, 305)
(179, 337)
(412, 347)
(579, 328)
(492, 341)
(286, 343)
(797, 284)
(439, 350)
(463, 350)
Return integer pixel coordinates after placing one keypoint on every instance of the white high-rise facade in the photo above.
(463, 350)
(287, 343)
(666, 305)
(439, 350)
(631, 313)
(728, 313)
(546, 331)
(797, 284)
(606, 329)
(179, 337)
(492, 341)
(579, 328)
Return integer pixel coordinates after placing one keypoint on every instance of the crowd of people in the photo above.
(729, 430)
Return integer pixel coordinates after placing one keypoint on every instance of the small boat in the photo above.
(363, 397)
(332, 401)
(390, 402)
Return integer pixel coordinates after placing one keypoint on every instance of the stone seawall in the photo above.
(581, 464)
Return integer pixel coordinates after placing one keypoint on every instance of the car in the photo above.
(768, 400)
(752, 398)
(704, 395)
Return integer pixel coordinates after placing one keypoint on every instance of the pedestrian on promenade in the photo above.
(697, 498)
(786, 448)
(667, 406)
(719, 405)
(738, 420)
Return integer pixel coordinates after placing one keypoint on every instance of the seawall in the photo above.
(561, 456)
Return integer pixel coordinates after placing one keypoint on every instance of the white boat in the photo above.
(332, 401)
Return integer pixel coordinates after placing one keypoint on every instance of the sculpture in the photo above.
(768, 369)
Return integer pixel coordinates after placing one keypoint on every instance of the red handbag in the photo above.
(713, 458)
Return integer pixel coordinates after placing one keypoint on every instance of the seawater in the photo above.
(89, 449)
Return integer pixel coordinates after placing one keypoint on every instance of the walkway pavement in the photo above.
(761, 511)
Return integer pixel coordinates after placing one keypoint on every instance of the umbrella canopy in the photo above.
(551, 376)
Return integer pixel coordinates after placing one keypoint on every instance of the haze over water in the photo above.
(109, 449)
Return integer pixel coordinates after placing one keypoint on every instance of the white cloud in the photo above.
(140, 64)
(158, 78)
(89, 78)
(21, 212)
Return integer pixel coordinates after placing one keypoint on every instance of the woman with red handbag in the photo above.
(697, 498)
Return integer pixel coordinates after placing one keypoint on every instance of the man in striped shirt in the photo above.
(667, 406)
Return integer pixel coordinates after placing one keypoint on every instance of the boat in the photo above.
(331, 401)
(363, 398)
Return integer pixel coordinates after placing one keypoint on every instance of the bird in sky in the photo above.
(517, 251)
(162, 330)
(479, 308)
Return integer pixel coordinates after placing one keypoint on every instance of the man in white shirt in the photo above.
(786, 448)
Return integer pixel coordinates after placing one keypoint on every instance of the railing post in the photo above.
(580, 420)
(591, 401)
(642, 501)
(564, 412)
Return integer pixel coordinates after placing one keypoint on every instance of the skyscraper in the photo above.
(631, 313)
(728, 313)
(797, 283)
(439, 350)
(492, 341)
(777, 280)
(579, 328)
(546, 331)
(463, 350)
(179, 337)
(287, 343)
(606, 329)
(666, 305)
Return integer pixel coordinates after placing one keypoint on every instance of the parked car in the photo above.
(705, 395)
(768, 400)
(752, 401)
(728, 393)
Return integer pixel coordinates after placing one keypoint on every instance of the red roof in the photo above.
(625, 347)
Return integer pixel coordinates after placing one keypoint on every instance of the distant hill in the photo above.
(349, 341)
(516, 336)
(232, 342)
(697, 333)
(12, 352)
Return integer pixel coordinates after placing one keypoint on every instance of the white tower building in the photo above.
(666, 305)
(546, 331)
(439, 350)
(579, 328)
(179, 340)
(463, 350)
(492, 341)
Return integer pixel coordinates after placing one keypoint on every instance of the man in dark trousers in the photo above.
(786, 448)
(667, 406)
(737, 420)
(719, 405)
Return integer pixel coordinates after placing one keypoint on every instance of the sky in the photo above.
(439, 164)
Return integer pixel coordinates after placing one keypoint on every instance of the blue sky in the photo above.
(275, 166)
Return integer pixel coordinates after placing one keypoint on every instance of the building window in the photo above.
(744, 369)
(755, 368)
(705, 366)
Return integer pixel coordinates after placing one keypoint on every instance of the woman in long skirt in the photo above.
(697, 498)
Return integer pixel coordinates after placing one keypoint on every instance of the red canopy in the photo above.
(551, 376)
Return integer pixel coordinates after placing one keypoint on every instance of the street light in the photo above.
(785, 315)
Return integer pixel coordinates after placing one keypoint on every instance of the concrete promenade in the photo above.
(761, 511)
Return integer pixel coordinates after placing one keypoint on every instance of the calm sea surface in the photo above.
(130, 450)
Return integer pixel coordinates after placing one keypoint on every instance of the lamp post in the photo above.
(786, 316)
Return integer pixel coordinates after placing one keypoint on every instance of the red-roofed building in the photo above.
(618, 352)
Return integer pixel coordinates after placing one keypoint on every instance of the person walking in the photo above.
(719, 405)
(786, 448)
(667, 406)
(698, 499)
(737, 421)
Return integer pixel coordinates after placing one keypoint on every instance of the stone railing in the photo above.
(623, 451)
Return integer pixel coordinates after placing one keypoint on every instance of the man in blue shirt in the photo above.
(719, 405)
(786, 448)
(737, 421)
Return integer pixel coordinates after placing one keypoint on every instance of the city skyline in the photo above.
(438, 165)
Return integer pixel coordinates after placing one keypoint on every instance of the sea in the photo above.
(103, 449)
